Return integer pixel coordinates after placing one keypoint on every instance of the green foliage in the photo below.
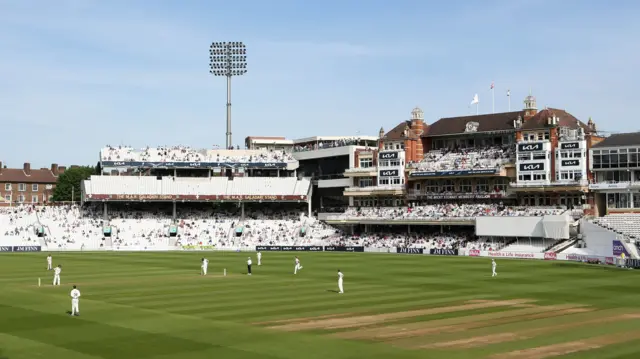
(69, 183)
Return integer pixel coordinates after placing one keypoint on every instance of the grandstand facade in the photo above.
(495, 184)
(615, 165)
(328, 160)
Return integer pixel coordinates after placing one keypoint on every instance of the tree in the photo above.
(69, 183)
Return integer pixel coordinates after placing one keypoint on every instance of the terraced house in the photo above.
(26, 185)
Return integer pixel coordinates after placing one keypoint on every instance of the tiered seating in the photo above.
(627, 224)
(327, 144)
(69, 228)
(426, 241)
(443, 211)
(466, 159)
(18, 226)
(188, 154)
(484, 244)
(145, 185)
(533, 245)
(147, 226)
(272, 231)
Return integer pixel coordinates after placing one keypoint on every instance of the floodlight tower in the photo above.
(228, 59)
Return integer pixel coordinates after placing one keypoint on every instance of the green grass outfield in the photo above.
(157, 306)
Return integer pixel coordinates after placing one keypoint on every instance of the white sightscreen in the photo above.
(556, 227)
(509, 226)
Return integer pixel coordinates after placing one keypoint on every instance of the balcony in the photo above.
(614, 185)
(375, 190)
(562, 185)
(361, 172)
(421, 194)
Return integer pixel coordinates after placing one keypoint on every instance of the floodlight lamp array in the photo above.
(227, 59)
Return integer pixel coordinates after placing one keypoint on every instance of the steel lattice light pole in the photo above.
(228, 59)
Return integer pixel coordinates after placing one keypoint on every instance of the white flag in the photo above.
(508, 93)
(475, 99)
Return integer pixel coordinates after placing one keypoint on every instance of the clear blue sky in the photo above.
(78, 74)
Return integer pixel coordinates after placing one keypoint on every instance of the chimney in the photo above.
(54, 169)
(1, 167)
(27, 168)
(61, 169)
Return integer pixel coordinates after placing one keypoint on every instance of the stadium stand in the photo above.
(466, 159)
(188, 154)
(442, 211)
(626, 224)
(327, 144)
(18, 226)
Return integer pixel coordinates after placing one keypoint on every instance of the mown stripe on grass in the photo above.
(317, 305)
(576, 346)
(373, 319)
(462, 322)
(523, 334)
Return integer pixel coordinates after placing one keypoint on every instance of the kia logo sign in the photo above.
(570, 145)
(531, 166)
(530, 147)
(474, 253)
(118, 163)
(550, 256)
(570, 163)
(388, 155)
(389, 173)
(194, 164)
(269, 164)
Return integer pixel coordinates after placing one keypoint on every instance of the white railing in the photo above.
(548, 183)
(375, 188)
(360, 169)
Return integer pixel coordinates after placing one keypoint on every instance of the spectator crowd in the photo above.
(188, 154)
(466, 158)
(443, 212)
(148, 226)
(354, 141)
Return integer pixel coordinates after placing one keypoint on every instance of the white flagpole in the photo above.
(493, 100)
(509, 97)
(477, 111)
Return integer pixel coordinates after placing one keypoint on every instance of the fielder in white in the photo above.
(56, 275)
(340, 287)
(49, 262)
(259, 258)
(298, 266)
(75, 301)
(204, 266)
(493, 268)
